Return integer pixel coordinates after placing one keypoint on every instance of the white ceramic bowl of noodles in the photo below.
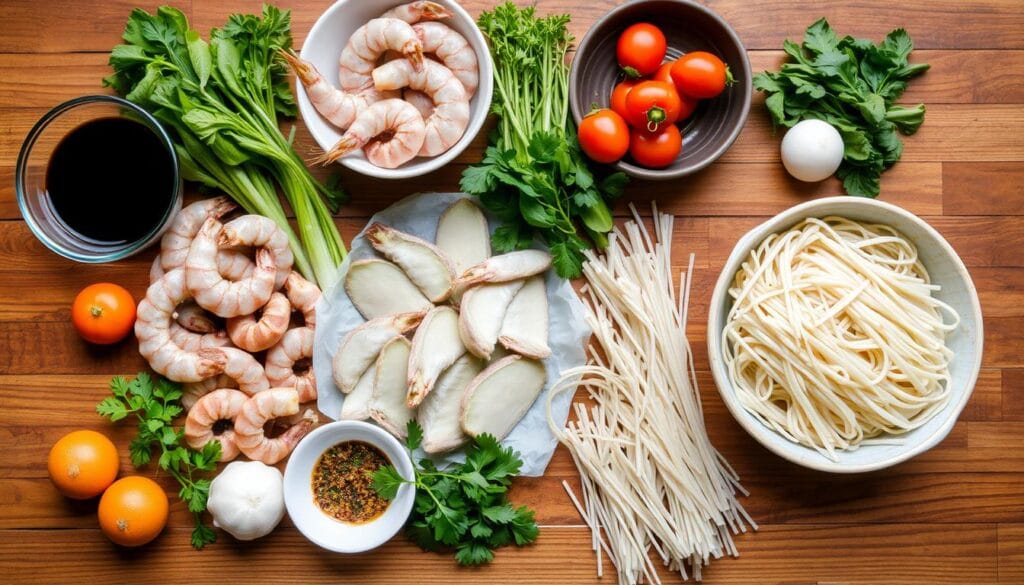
(322, 47)
(957, 289)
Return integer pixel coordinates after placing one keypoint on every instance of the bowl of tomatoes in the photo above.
(660, 88)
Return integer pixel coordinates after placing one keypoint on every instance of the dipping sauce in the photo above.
(342, 486)
(111, 180)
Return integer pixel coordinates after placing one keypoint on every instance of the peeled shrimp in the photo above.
(421, 101)
(219, 405)
(259, 232)
(192, 341)
(303, 296)
(450, 117)
(414, 12)
(260, 409)
(297, 344)
(215, 293)
(337, 106)
(390, 132)
(256, 335)
(193, 391)
(453, 50)
(366, 46)
(152, 328)
(176, 241)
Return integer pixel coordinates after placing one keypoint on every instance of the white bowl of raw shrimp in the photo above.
(323, 47)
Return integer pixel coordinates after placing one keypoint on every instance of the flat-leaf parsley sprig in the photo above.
(464, 507)
(155, 404)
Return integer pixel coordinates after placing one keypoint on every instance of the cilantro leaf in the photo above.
(386, 482)
(473, 553)
(502, 514)
(414, 435)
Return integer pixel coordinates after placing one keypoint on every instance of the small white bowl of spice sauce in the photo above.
(328, 491)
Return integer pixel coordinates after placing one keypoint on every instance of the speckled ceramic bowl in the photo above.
(688, 26)
(957, 289)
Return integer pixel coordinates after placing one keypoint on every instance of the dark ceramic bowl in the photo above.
(688, 26)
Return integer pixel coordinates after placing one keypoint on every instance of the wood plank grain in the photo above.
(995, 188)
(1011, 553)
(894, 553)
(1012, 394)
(67, 26)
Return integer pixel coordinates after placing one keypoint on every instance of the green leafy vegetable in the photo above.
(851, 84)
(155, 404)
(220, 101)
(466, 508)
(534, 176)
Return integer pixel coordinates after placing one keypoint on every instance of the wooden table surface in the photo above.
(952, 515)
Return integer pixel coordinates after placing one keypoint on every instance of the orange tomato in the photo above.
(103, 313)
(82, 464)
(133, 511)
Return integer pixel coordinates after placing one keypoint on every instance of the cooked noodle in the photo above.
(834, 337)
(652, 481)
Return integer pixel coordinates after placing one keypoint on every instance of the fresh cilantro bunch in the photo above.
(852, 84)
(534, 176)
(155, 404)
(465, 508)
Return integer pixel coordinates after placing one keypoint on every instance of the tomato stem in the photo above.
(655, 116)
(631, 72)
(95, 311)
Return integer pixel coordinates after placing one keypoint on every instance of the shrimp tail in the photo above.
(433, 11)
(344, 146)
(413, 51)
(303, 70)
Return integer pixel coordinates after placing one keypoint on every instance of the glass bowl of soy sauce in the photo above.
(97, 179)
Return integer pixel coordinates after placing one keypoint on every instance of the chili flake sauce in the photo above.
(342, 484)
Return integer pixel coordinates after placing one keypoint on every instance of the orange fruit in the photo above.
(133, 511)
(82, 464)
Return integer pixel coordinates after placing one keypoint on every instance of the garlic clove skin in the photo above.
(247, 499)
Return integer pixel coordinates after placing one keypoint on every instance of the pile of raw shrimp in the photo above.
(406, 79)
(214, 305)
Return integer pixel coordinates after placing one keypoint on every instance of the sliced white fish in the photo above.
(500, 395)
(378, 288)
(483, 309)
(387, 406)
(440, 412)
(435, 346)
(462, 234)
(525, 327)
(424, 263)
(359, 349)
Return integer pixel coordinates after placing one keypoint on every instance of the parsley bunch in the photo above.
(155, 405)
(851, 84)
(465, 508)
(534, 176)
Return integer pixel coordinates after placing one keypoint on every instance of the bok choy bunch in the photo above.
(220, 101)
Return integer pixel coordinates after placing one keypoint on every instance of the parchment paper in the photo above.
(336, 316)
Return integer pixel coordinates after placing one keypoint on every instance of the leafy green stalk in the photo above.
(220, 100)
(155, 405)
(534, 176)
(852, 84)
(465, 508)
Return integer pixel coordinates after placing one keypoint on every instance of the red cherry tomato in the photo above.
(700, 75)
(655, 149)
(604, 136)
(653, 104)
(664, 73)
(619, 92)
(641, 49)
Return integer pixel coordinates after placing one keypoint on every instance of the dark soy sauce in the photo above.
(111, 180)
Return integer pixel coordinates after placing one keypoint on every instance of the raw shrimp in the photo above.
(421, 101)
(233, 265)
(259, 232)
(453, 50)
(201, 424)
(176, 241)
(215, 293)
(337, 106)
(366, 46)
(193, 391)
(303, 296)
(296, 345)
(390, 132)
(262, 408)
(414, 12)
(256, 335)
(448, 122)
(152, 328)
(194, 318)
(241, 371)
(192, 341)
